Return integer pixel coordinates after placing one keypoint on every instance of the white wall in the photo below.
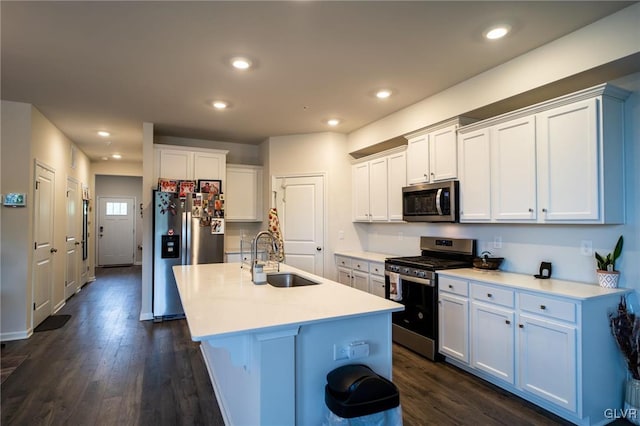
(318, 153)
(28, 136)
(124, 186)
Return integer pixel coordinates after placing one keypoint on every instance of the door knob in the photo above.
(318, 248)
(53, 250)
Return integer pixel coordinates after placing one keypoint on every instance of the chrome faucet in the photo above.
(254, 252)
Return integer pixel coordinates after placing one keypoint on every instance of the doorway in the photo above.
(116, 231)
(300, 201)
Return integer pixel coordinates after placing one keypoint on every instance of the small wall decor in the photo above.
(211, 186)
(167, 185)
(187, 187)
(15, 199)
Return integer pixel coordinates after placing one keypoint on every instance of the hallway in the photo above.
(107, 367)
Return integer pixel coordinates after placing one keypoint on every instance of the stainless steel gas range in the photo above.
(413, 282)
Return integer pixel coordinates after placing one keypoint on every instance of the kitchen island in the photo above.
(268, 350)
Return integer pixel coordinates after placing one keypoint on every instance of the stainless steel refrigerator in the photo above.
(187, 231)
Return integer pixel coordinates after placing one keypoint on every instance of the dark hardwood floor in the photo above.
(106, 367)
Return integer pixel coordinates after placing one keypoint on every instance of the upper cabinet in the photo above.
(432, 154)
(243, 193)
(187, 163)
(560, 161)
(377, 186)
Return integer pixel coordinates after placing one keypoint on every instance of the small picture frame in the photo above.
(210, 186)
(15, 199)
(217, 226)
(167, 185)
(187, 187)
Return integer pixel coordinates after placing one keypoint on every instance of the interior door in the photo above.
(116, 233)
(43, 244)
(72, 251)
(300, 204)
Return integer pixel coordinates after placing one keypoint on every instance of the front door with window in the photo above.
(115, 230)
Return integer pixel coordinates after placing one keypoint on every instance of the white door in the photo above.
(300, 204)
(73, 238)
(43, 244)
(453, 327)
(116, 237)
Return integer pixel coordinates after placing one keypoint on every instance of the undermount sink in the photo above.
(288, 279)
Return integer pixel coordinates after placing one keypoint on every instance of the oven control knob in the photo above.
(422, 274)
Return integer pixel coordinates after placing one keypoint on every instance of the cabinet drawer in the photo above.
(343, 261)
(360, 265)
(376, 268)
(495, 295)
(453, 285)
(548, 307)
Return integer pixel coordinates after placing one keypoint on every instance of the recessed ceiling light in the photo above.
(220, 104)
(104, 134)
(497, 32)
(116, 156)
(383, 94)
(241, 63)
(333, 122)
(105, 158)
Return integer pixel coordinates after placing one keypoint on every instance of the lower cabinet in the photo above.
(376, 278)
(553, 350)
(361, 274)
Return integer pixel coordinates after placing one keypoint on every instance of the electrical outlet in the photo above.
(497, 242)
(340, 352)
(341, 235)
(586, 248)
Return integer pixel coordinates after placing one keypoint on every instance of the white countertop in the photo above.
(572, 289)
(220, 299)
(366, 255)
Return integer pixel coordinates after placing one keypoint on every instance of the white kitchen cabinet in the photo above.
(560, 161)
(360, 280)
(475, 176)
(453, 319)
(513, 167)
(187, 163)
(377, 186)
(547, 341)
(243, 193)
(493, 331)
(376, 278)
(432, 153)
(344, 276)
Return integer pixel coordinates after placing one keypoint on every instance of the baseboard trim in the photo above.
(146, 316)
(16, 335)
(59, 306)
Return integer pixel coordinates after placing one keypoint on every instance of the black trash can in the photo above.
(357, 393)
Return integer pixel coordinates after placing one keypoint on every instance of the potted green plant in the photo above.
(607, 274)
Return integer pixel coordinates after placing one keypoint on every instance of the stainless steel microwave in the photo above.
(431, 202)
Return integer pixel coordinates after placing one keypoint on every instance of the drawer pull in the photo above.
(543, 307)
(507, 322)
(489, 295)
(530, 210)
(521, 325)
(450, 286)
(358, 265)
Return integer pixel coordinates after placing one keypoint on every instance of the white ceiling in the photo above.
(108, 65)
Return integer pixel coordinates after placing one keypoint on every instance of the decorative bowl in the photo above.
(490, 263)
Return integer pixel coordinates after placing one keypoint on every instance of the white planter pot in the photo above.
(608, 279)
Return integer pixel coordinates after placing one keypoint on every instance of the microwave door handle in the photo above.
(438, 199)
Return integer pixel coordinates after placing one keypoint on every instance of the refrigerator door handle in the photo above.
(185, 239)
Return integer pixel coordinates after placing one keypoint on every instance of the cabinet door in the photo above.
(209, 166)
(344, 276)
(376, 285)
(243, 194)
(513, 166)
(475, 176)
(493, 341)
(360, 194)
(547, 359)
(397, 165)
(360, 280)
(378, 189)
(418, 160)
(443, 154)
(568, 162)
(175, 164)
(453, 326)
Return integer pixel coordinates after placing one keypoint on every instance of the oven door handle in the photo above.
(438, 201)
(424, 281)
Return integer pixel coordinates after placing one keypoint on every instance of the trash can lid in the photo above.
(355, 390)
